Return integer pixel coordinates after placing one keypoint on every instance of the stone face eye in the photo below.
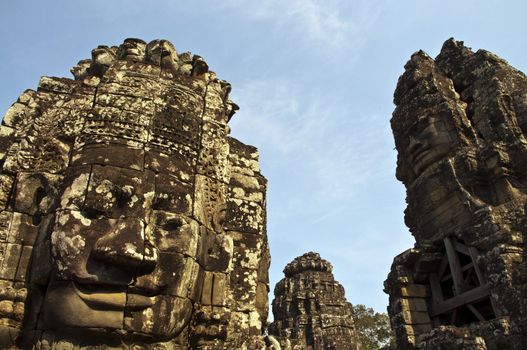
(172, 225)
(122, 196)
(91, 213)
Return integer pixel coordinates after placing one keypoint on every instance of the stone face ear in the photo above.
(35, 193)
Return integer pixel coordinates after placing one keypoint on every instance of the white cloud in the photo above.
(342, 155)
(297, 130)
(320, 20)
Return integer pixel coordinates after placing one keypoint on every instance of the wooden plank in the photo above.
(460, 247)
(453, 317)
(476, 312)
(494, 308)
(473, 255)
(469, 275)
(442, 267)
(464, 268)
(455, 266)
(471, 296)
(435, 287)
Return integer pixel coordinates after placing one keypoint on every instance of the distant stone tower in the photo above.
(460, 128)
(310, 309)
(129, 219)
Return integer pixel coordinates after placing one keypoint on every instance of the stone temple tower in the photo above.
(310, 309)
(129, 219)
(460, 128)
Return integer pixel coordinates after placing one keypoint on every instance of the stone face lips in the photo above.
(310, 309)
(460, 132)
(128, 217)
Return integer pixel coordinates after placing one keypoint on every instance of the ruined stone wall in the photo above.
(310, 310)
(128, 217)
(460, 128)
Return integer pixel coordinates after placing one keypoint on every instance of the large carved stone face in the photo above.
(119, 262)
(430, 141)
(127, 213)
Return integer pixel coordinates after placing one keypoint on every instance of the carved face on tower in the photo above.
(124, 253)
(158, 50)
(126, 211)
(102, 58)
(161, 52)
(430, 142)
(133, 213)
(434, 139)
(426, 132)
(132, 49)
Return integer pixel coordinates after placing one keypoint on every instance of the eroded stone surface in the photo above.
(460, 132)
(310, 309)
(128, 217)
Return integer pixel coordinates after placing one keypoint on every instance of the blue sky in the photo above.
(314, 80)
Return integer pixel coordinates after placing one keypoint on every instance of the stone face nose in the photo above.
(414, 144)
(125, 246)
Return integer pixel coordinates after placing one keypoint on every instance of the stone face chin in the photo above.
(460, 132)
(128, 216)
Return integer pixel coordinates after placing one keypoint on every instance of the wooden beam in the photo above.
(476, 313)
(455, 267)
(435, 287)
(453, 317)
(442, 267)
(436, 322)
(471, 296)
(464, 268)
(474, 255)
(469, 275)
(460, 247)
